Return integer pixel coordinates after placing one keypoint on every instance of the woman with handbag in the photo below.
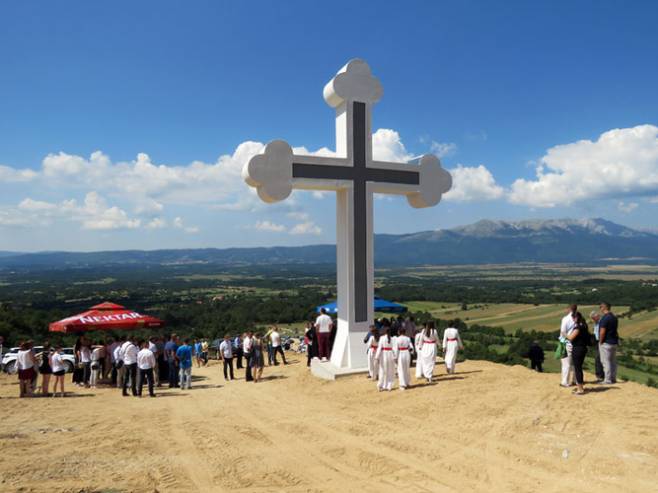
(579, 338)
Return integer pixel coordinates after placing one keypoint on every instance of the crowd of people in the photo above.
(392, 346)
(575, 341)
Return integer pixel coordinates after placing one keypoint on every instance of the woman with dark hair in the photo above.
(403, 350)
(85, 359)
(257, 359)
(45, 369)
(385, 361)
(309, 341)
(372, 343)
(26, 363)
(418, 345)
(78, 372)
(59, 369)
(579, 338)
(427, 356)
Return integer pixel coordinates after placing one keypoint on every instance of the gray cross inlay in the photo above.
(359, 174)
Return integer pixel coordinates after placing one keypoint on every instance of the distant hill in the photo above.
(566, 240)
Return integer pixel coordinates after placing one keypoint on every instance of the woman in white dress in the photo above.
(451, 344)
(386, 362)
(402, 350)
(418, 344)
(427, 355)
(372, 342)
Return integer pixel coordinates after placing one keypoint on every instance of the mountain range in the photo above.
(564, 240)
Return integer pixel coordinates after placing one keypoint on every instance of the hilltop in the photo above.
(488, 428)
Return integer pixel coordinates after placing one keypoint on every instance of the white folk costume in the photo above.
(451, 344)
(418, 344)
(427, 355)
(373, 365)
(386, 361)
(402, 349)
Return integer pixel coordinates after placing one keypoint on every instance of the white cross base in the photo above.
(355, 177)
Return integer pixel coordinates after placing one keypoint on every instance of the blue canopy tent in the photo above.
(381, 305)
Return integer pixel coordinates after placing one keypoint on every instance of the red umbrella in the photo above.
(106, 316)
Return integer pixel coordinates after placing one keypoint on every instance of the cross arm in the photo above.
(277, 171)
(423, 180)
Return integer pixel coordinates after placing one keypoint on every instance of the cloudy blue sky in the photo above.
(126, 124)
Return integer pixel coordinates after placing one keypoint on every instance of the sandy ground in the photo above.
(487, 428)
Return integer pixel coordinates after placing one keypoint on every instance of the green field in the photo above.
(511, 316)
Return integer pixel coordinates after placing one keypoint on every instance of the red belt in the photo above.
(387, 349)
(429, 342)
(373, 347)
(452, 340)
(403, 349)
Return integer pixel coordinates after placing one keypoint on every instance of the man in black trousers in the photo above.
(226, 353)
(598, 366)
(246, 350)
(129, 356)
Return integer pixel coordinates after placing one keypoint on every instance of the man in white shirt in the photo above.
(246, 350)
(118, 371)
(146, 364)
(226, 353)
(129, 356)
(275, 338)
(154, 349)
(323, 326)
(566, 326)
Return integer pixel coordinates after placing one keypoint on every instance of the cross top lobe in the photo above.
(353, 82)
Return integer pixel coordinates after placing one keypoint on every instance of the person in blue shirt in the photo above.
(197, 349)
(237, 351)
(184, 357)
(170, 349)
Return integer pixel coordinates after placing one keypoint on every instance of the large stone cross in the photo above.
(355, 176)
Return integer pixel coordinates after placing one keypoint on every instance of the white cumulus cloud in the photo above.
(269, 226)
(306, 228)
(621, 162)
(473, 184)
(443, 149)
